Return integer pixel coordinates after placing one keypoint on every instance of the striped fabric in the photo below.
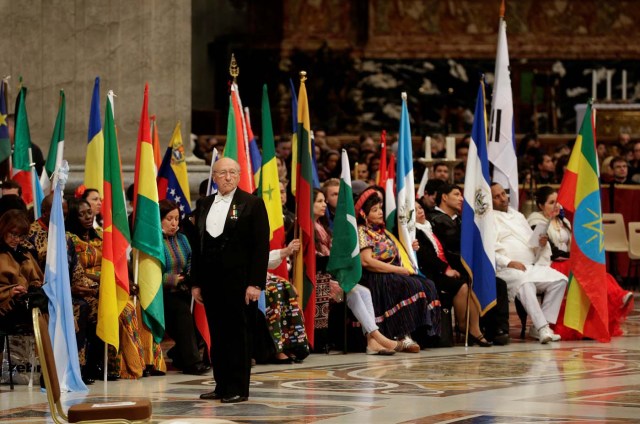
(177, 259)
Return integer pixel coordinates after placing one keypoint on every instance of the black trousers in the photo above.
(496, 320)
(181, 328)
(231, 323)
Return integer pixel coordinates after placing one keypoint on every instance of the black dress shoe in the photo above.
(234, 399)
(88, 380)
(282, 361)
(211, 396)
(196, 369)
(501, 339)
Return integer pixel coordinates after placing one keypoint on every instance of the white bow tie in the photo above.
(219, 199)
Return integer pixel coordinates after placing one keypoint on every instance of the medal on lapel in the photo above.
(234, 212)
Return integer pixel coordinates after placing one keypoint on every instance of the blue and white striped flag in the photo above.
(502, 147)
(58, 290)
(405, 186)
(477, 242)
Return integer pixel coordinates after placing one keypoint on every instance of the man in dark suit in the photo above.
(229, 269)
(446, 222)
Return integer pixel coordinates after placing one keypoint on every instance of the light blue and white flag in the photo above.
(477, 243)
(405, 186)
(502, 148)
(58, 290)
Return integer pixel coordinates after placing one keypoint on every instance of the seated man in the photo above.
(527, 269)
(446, 223)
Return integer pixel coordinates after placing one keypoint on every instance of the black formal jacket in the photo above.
(243, 259)
(448, 232)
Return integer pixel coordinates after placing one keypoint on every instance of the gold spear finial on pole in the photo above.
(303, 76)
(234, 69)
(503, 7)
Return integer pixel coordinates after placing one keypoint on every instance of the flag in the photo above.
(155, 142)
(212, 187)
(5, 141)
(344, 259)
(38, 194)
(294, 138)
(236, 147)
(477, 244)
(58, 289)
(586, 308)
(114, 276)
(254, 151)
(381, 178)
(95, 161)
(269, 187)
(304, 278)
(56, 148)
(21, 163)
(173, 182)
(502, 138)
(390, 196)
(405, 186)
(147, 229)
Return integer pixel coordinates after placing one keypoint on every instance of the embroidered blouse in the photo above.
(382, 247)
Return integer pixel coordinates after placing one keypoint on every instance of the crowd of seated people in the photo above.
(398, 302)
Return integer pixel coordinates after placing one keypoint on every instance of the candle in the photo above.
(624, 84)
(594, 84)
(609, 75)
(427, 148)
(451, 148)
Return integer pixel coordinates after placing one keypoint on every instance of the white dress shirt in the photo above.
(218, 214)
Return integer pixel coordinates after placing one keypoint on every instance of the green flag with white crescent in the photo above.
(344, 259)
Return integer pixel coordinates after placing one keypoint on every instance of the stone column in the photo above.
(65, 44)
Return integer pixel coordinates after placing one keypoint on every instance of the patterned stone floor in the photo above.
(525, 382)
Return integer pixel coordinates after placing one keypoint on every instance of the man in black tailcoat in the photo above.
(229, 269)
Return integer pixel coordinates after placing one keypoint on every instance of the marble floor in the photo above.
(524, 382)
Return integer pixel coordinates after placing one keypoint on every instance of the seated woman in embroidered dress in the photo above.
(404, 302)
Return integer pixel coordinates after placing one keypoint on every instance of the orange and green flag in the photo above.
(94, 162)
(304, 278)
(269, 187)
(114, 276)
(586, 308)
(147, 229)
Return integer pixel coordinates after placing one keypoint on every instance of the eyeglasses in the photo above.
(16, 236)
(224, 173)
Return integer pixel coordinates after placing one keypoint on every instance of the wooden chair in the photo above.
(615, 239)
(109, 412)
(634, 250)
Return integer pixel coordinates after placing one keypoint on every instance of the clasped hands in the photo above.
(252, 294)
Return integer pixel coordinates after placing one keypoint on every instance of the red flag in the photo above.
(236, 147)
(382, 170)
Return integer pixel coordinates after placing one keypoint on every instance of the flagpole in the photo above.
(136, 266)
(466, 331)
(32, 167)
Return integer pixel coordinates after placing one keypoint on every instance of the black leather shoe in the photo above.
(210, 396)
(234, 399)
(196, 369)
(88, 380)
(501, 339)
